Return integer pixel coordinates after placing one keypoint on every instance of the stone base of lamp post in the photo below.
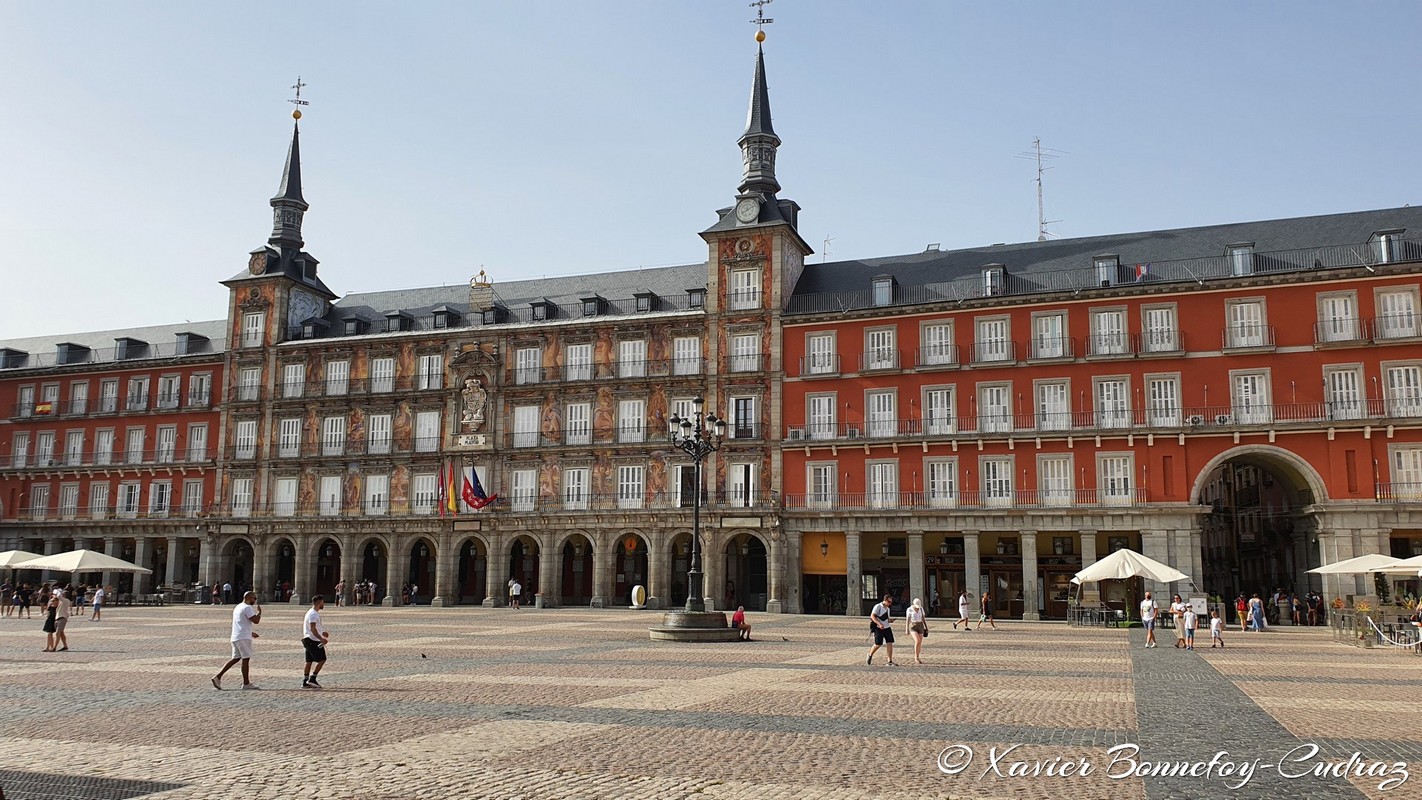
(695, 626)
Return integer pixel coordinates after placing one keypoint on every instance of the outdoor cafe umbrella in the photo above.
(1407, 566)
(1372, 562)
(1129, 564)
(84, 561)
(14, 558)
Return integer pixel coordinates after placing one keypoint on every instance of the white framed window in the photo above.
(1338, 317)
(820, 416)
(1108, 270)
(880, 351)
(254, 324)
(820, 357)
(429, 372)
(199, 389)
(284, 497)
(1108, 332)
(98, 500)
(883, 291)
(1250, 397)
(241, 497)
(427, 431)
(1246, 324)
(1049, 335)
(632, 358)
(992, 342)
(577, 423)
(994, 281)
(1406, 464)
(1161, 330)
(20, 449)
(1113, 403)
(631, 420)
(192, 497)
(338, 377)
(79, 397)
(133, 445)
(44, 449)
(167, 450)
(882, 484)
(578, 362)
(684, 481)
(745, 418)
(333, 436)
(995, 472)
(575, 488)
(1387, 247)
(1054, 486)
(160, 498)
(108, 396)
(523, 484)
(1163, 400)
(25, 401)
(1053, 405)
(938, 414)
(741, 484)
(525, 426)
(425, 488)
(249, 383)
(69, 501)
(328, 502)
(881, 413)
(1404, 390)
(1113, 478)
(382, 375)
(528, 365)
(936, 339)
(169, 391)
(377, 494)
(293, 380)
(378, 434)
(823, 486)
(686, 355)
(1343, 387)
(745, 352)
(994, 407)
(630, 486)
(289, 438)
(74, 448)
(245, 438)
(103, 447)
(941, 482)
(745, 289)
(128, 499)
(1241, 259)
(197, 441)
(138, 394)
(1397, 313)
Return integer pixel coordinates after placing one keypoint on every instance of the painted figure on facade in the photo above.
(306, 497)
(602, 476)
(352, 499)
(603, 418)
(552, 356)
(657, 476)
(313, 431)
(657, 349)
(548, 482)
(657, 410)
(403, 428)
(552, 423)
(404, 366)
(475, 399)
(400, 490)
(602, 353)
(355, 436)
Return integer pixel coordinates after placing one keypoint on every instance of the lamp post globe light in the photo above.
(698, 436)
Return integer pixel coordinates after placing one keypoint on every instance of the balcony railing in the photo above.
(1049, 347)
(994, 352)
(1159, 341)
(1400, 492)
(91, 458)
(110, 512)
(937, 355)
(873, 360)
(115, 355)
(1339, 331)
(1008, 498)
(1109, 344)
(821, 365)
(669, 499)
(745, 362)
(583, 371)
(1244, 337)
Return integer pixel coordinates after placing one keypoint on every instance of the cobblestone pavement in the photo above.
(574, 703)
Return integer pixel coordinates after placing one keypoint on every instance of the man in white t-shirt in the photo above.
(244, 616)
(965, 607)
(516, 592)
(1148, 610)
(99, 595)
(314, 638)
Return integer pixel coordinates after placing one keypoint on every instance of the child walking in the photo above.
(1190, 619)
(1216, 630)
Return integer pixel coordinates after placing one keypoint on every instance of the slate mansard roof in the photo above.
(162, 341)
(1165, 256)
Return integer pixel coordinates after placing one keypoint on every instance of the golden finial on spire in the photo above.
(760, 21)
(298, 86)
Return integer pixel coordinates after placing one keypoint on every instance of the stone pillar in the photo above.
(496, 575)
(446, 565)
(853, 607)
(142, 555)
(972, 570)
(550, 576)
(775, 572)
(395, 560)
(1196, 542)
(350, 568)
(1154, 545)
(208, 559)
(915, 566)
(1029, 576)
(656, 567)
(303, 567)
(713, 572)
(262, 559)
(1185, 559)
(1090, 592)
(175, 551)
(111, 547)
(603, 559)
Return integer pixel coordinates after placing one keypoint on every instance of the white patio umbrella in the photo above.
(84, 561)
(14, 558)
(1129, 564)
(1372, 562)
(1407, 566)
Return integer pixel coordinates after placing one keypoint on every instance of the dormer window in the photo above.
(695, 298)
(11, 358)
(1387, 247)
(398, 321)
(445, 317)
(592, 306)
(314, 328)
(883, 290)
(1241, 258)
(646, 301)
(191, 343)
(1108, 270)
(493, 315)
(353, 326)
(127, 348)
(542, 310)
(68, 353)
(994, 280)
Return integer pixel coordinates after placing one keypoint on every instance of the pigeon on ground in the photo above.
(422, 655)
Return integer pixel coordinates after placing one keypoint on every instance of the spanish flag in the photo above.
(44, 408)
(452, 493)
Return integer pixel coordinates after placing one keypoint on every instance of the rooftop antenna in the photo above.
(1038, 154)
(824, 253)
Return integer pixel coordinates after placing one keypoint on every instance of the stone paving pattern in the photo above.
(573, 703)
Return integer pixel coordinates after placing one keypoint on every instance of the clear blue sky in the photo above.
(140, 141)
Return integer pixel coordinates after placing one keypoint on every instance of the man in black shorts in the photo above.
(881, 625)
(314, 638)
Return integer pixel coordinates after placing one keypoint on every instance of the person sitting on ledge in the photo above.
(738, 621)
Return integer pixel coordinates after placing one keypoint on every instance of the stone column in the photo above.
(395, 560)
(1090, 592)
(350, 567)
(262, 558)
(853, 605)
(446, 565)
(713, 571)
(1196, 539)
(656, 566)
(208, 559)
(1154, 545)
(111, 547)
(1186, 560)
(972, 570)
(496, 574)
(775, 572)
(1029, 576)
(603, 559)
(550, 575)
(142, 554)
(915, 566)
(303, 566)
(175, 550)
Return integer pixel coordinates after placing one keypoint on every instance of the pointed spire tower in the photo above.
(759, 143)
(289, 206)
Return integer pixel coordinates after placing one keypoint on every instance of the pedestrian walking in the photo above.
(985, 611)
(22, 601)
(340, 592)
(917, 620)
(227, 592)
(244, 617)
(1216, 630)
(61, 620)
(7, 599)
(1188, 620)
(314, 638)
(511, 583)
(99, 596)
(1256, 613)
(1177, 615)
(881, 625)
(964, 609)
(1241, 612)
(51, 611)
(516, 592)
(1148, 612)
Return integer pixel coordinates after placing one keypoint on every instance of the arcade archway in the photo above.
(328, 569)
(421, 572)
(472, 578)
(746, 573)
(523, 567)
(630, 568)
(577, 567)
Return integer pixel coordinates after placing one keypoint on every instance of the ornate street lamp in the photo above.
(698, 436)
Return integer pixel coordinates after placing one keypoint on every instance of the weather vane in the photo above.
(760, 21)
(298, 86)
